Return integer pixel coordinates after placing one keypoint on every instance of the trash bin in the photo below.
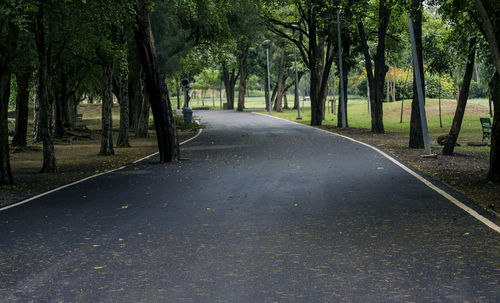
(188, 115)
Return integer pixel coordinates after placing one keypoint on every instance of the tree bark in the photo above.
(36, 134)
(107, 107)
(462, 102)
(57, 98)
(494, 171)
(376, 79)
(242, 62)
(157, 89)
(123, 134)
(416, 134)
(5, 170)
(22, 100)
(230, 78)
(45, 97)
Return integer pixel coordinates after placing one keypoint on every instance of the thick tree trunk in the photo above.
(416, 135)
(494, 171)
(107, 106)
(123, 134)
(157, 89)
(242, 62)
(22, 100)
(462, 102)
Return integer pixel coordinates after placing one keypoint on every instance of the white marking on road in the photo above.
(443, 193)
(88, 178)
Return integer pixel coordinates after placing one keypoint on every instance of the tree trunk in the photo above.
(494, 171)
(22, 100)
(376, 80)
(123, 134)
(59, 131)
(37, 134)
(157, 89)
(5, 171)
(107, 107)
(416, 135)
(229, 83)
(462, 102)
(45, 110)
(242, 62)
(178, 93)
(142, 127)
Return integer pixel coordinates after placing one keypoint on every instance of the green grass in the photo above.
(360, 118)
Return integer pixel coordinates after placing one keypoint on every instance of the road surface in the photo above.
(264, 210)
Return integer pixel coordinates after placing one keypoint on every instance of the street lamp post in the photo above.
(266, 43)
(341, 73)
(296, 84)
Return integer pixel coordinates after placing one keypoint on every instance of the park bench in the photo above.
(486, 124)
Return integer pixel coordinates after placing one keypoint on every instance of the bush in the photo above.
(478, 90)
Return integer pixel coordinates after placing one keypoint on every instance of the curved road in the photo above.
(263, 211)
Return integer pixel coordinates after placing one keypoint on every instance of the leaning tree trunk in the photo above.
(157, 89)
(494, 171)
(22, 100)
(462, 101)
(123, 135)
(107, 106)
(416, 134)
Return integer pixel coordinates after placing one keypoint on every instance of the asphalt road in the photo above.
(263, 211)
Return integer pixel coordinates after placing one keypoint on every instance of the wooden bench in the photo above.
(486, 124)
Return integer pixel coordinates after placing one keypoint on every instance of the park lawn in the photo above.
(77, 157)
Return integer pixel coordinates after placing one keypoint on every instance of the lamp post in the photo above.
(266, 43)
(341, 73)
(296, 80)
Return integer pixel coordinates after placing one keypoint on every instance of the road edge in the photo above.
(426, 182)
(15, 204)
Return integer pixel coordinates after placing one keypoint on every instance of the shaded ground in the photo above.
(465, 172)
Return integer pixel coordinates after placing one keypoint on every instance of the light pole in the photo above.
(266, 43)
(341, 73)
(296, 82)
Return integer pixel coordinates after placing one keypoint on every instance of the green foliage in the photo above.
(478, 90)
